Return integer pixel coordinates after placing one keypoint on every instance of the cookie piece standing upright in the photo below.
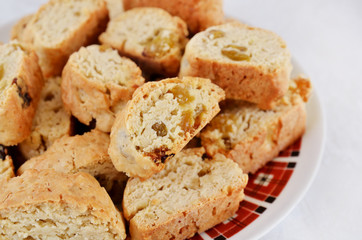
(250, 64)
(80, 153)
(159, 121)
(61, 27)
(51, 121)
(21, 82)
(51, 205)
(198, 14)
(190, 195)
(251, 136)
(97, 83)
(151, 37)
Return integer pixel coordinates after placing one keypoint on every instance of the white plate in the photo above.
(263, 215)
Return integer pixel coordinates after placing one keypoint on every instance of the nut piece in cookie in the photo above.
(151, 37)
(250, 64)
(97, 83)
(191, 194)
(159, 121)
(21, 82)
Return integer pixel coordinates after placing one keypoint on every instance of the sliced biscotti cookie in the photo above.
(198, 14)
(6, 166)
(249, 63)
(80, 153)
(251, 136)
(21, 82)
(61, 27)
(159, 121)
(97, 83)
(18, 29)
(52, 205)
(192, 194)
(51, 121)
(151, 37)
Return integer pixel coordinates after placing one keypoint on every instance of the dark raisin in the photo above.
(159, 155)
(24, 95)
(205, 156)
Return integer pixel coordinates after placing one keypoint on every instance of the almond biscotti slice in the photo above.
(97, 83)
(250, 64)
(61, 27)
(198, 14)
(159, 121)
(192, 194)
(21, 82)
(52, 205)
(6, 166)
(51, 121)
(151, 37)
(80, 153)
(251, 136)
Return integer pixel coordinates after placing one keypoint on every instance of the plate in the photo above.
(275, 189)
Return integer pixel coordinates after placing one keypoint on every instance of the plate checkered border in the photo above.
(263, 186)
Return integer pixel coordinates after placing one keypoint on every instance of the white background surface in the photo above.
(326, 39)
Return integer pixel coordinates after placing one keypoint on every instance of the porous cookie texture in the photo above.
(151, 37)
(80, 153)
(251, 136)
(51, 121)
(159, 121)
(190, 195)
(61, 27)
(6, 167)
(21, 82)
(51, 205)
(97, 83)
(198, 14)
(250, 64)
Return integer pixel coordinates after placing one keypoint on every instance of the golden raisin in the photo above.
(1, 71)
(213, 34)
(235, 52)
(187, 122)
(103, 48)
(160, 128)
(160, 44)
(182, 95)
(199, 114)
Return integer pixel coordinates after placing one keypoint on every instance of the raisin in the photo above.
(235, 52)
(213, 34)
(187, 121)
(159, 155)
(24, 95)
(182, 95)
(160, 44)
(199, 114)
(160, 129)
(1, 71)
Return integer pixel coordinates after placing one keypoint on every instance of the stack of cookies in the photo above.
(101, 98)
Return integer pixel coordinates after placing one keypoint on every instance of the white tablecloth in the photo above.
(326, 39)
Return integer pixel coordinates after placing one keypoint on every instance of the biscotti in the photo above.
(51, 121)
(6, 167)
(97, 83)
(52, 205)
(21, 82)
(17, 30)
(192, 194)
(159, 121)
(251, 136)
(250, 64)
(80, 153)
(151, 37)
(198, 14)
(61, 27)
